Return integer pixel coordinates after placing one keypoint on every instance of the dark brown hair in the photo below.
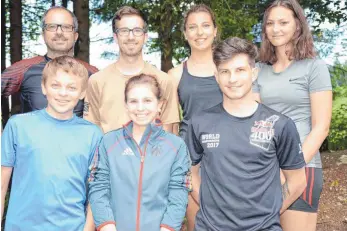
(67, 64)
(227, 49)
(127, 10)
(302, 40)
(196, 9)
(141, 80)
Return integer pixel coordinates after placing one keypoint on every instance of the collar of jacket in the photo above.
(155, 129)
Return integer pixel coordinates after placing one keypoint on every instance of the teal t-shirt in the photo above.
(50, 160)
(288, 92)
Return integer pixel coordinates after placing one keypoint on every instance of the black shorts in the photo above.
(309, 199)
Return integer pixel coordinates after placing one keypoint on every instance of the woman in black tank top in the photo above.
(196, 85)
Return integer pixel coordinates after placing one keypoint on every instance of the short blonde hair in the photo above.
(67, 64)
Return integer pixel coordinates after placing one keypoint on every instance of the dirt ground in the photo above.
(332, 213)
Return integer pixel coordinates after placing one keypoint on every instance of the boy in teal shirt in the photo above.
(49, 152)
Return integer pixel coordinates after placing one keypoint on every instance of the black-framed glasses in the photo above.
(137, 31)
(54, 27)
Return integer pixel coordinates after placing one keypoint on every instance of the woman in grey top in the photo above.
(196, 85)
(293, 81)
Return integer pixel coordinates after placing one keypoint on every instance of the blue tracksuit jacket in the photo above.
(140, 187)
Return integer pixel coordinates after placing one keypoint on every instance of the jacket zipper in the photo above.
(139, 190)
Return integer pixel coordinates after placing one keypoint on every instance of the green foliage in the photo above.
(31, 19)
(338, 128)
(337, 139)
(338, 77)
(234, 18)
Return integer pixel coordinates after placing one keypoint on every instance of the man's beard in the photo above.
(131, 52)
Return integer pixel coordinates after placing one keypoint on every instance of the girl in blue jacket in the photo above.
(141, 179)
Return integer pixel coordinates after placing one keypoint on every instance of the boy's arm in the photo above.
(6, 173)
(8, 157)
(91, 102)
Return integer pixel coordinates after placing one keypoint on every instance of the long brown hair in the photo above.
(302, 41)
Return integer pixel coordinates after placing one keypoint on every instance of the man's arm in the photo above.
(91, 102)
(293, 186)
(6, 173)
(196, 181)
(12, 77)
(170, 109)
(292, 163)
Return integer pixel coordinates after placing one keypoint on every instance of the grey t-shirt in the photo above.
(288, 92)
(240, 167)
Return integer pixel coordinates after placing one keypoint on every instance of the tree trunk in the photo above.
(3, 35)
(166, 56)
(5, 109)
(16, 30)
(15, 44)
(64, 3)
(81, 10)
(165, 36)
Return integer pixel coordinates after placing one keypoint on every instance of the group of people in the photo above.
(244, 157)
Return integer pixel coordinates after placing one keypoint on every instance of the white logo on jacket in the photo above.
(128, 152)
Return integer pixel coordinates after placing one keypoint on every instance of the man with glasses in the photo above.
(60, 32)
(104, 103)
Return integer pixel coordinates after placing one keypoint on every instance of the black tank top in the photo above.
(196, 94)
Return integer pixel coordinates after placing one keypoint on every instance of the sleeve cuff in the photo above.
(104, 224)
(195, 162)
(327, 88)
(295, 166)
(167, 227)
(7, 164)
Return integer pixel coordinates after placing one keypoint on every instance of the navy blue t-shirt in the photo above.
(25, 77)
(240, 167)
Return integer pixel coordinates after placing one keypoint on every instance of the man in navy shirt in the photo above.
(60, 32)
(241, 145)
